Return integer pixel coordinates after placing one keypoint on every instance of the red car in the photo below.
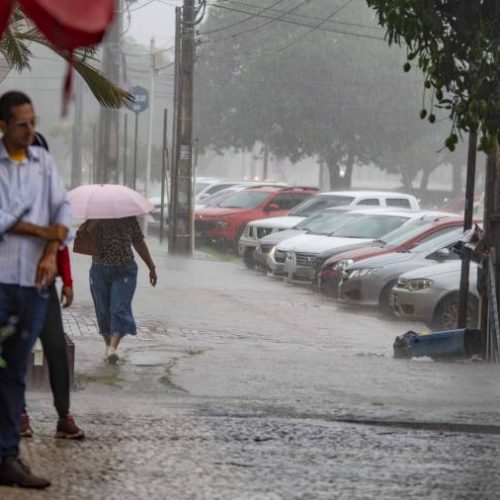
(402, 239)
(223, 225)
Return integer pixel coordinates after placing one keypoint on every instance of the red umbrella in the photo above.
(67, 24)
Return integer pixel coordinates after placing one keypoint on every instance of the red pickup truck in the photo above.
(222, 226)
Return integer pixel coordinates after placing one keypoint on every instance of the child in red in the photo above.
(53, 341)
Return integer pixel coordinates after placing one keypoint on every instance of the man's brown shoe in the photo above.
(14, 473)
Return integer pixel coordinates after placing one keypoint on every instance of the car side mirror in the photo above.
(442, 254)
(272, 207)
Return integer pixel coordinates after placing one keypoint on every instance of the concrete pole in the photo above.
(172, 201)
(150, 119)
(107, 167)
(77, 135)
(183, 237)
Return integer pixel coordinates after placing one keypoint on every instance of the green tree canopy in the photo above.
(456, 43)
(328, 90)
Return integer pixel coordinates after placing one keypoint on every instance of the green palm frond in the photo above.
(106, 92)
(15, 51)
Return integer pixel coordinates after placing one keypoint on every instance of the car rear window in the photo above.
(438, 242)
(398, 202)
(370, 226)
(245, 199)
(319, 202)
(407, 232)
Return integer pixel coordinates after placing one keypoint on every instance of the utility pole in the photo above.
(183, 235)
(109, 119)
(150, 117)
(172, 199)
(491, 229)
(77, 146)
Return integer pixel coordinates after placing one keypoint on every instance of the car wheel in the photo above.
(384, 305)
(330, 288)
(446, 314)
(248, 258)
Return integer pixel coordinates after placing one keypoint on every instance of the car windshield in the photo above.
(245, 199)
(217, 198)
(370, 226)
(333, 221)
(438, 242)
(199, 186)
(407, 232)
(319, 202)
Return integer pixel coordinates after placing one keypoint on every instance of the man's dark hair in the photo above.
(11, 100)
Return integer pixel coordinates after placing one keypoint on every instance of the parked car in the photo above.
(218, 197)
(431, 295)
(267, 242)
(369, 282)
(323, 237)
(424, 227)
(255, 229)
(207, 187)
(224, 224)
(375, 224)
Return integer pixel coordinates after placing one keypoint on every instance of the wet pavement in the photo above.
(241, 387)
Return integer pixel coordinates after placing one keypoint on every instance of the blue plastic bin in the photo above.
(446, 344)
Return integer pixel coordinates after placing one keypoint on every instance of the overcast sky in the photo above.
(153, 18)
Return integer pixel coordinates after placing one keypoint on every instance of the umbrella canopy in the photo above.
(107, 201)
(68, 24)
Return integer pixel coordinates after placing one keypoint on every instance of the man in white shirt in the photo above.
(34, 222)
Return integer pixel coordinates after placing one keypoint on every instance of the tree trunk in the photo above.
(337, 182)
(457, 179)
(406, 180)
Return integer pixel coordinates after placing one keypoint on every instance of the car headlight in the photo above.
(341, 265)
(362, 273)
(417, 284)
(222, 223)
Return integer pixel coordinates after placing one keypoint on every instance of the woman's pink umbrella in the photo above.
(107, 201)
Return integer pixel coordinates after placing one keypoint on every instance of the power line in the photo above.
(251, 16)
(304, 35)
(272, 19)
(288, 21)
(306, 16)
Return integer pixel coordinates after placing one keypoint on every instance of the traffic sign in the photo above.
(141, 99)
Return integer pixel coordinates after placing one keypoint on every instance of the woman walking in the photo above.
(113, 278)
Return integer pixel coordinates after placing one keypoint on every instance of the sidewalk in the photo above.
(239, 387)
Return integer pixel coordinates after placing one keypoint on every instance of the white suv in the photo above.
(257, 229)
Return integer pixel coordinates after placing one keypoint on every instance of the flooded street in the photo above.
(241, 387)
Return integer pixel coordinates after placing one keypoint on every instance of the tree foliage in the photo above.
(456, 43)
(309, 92)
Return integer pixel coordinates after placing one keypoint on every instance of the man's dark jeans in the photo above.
(27, 305)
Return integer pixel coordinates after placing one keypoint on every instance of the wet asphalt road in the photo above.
(240, 387)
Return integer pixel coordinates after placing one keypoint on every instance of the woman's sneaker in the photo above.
(112, 355)
(67, 429)
(25, 427)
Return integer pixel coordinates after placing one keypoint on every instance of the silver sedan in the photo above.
(369, 282)
(431, 295)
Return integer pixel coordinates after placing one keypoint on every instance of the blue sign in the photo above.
(141, 99)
